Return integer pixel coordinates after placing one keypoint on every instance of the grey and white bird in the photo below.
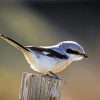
(49, 59)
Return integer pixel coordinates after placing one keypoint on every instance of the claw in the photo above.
(51, 75)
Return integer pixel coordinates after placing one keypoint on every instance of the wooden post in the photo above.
(36, 87)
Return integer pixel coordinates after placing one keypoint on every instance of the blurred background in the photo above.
(48, 23)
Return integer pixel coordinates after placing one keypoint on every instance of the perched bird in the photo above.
(49, 59)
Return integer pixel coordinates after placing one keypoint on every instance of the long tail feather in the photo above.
(13, 43)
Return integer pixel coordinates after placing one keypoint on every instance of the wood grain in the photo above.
(36, 87)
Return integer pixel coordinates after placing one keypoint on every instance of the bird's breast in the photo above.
(60, 66)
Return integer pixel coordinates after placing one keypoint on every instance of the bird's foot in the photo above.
(51, 75)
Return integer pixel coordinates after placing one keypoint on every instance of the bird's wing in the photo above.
(47, 51)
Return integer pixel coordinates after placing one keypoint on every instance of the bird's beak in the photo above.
(84, 55)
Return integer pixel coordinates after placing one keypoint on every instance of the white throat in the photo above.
(74, 57)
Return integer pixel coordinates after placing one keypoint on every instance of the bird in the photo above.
(49, 59)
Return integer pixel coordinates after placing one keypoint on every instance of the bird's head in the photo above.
(73, 50)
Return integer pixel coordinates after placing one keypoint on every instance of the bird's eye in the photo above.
(69, 51)
(72, 51)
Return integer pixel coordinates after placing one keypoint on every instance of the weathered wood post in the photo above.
(36, 87)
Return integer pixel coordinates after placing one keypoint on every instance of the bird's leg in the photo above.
(46, 75)
(51, 75)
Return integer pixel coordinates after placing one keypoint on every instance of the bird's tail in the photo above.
(13, 43)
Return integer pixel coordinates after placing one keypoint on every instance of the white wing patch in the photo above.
(45, 53)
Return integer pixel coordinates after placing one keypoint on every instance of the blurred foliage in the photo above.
(47, 24)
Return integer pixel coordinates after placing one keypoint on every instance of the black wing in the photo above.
(47, 51)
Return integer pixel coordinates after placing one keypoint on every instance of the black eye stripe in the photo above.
(72, 51)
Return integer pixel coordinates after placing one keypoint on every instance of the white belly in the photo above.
(43, 64)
